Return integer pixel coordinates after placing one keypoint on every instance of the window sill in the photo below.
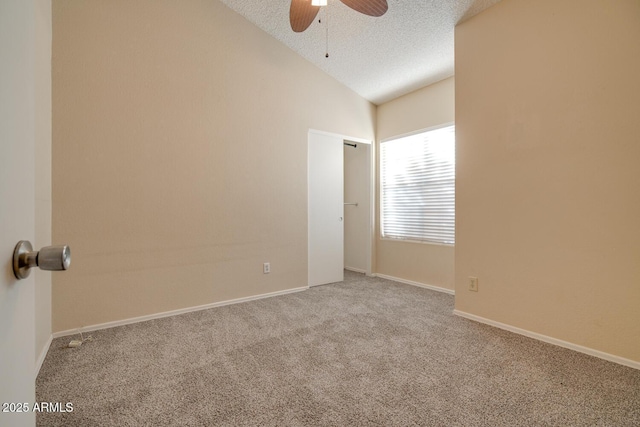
(386, 239)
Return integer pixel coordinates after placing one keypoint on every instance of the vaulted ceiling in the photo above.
(409, 47)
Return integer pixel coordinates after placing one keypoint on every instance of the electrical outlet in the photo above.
(473, 284)
(266, 268)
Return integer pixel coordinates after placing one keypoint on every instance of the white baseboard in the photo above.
(356, 270)
(586, 350)
(418, 284)
(42, 356)
(173, 313)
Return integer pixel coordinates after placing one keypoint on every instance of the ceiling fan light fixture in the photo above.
(303, 12)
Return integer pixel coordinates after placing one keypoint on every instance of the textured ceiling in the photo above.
(411, 46)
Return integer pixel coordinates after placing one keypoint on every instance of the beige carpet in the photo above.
(363, 352)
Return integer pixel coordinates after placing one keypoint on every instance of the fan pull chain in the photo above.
(326, 18)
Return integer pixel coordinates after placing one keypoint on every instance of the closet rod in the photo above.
(351, 145)
(355, 204)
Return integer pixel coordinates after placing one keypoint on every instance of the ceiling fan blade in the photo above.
(368, 7)
(302, 14)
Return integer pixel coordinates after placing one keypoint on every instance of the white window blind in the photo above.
(418, 187)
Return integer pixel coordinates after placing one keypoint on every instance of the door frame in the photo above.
(371, 181)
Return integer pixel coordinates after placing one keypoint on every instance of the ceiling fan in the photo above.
(303, 12)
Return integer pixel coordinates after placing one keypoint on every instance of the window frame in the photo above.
(380, 206)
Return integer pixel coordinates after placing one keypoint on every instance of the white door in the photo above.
(326, 209)
(17, 206)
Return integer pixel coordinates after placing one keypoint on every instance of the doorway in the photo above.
(340, 230)
(358, 228)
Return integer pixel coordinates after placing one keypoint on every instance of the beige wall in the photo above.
(424, 263)
(179, 156)
(43, 172)
(547, 107)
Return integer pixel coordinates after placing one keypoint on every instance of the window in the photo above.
(417, 175)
